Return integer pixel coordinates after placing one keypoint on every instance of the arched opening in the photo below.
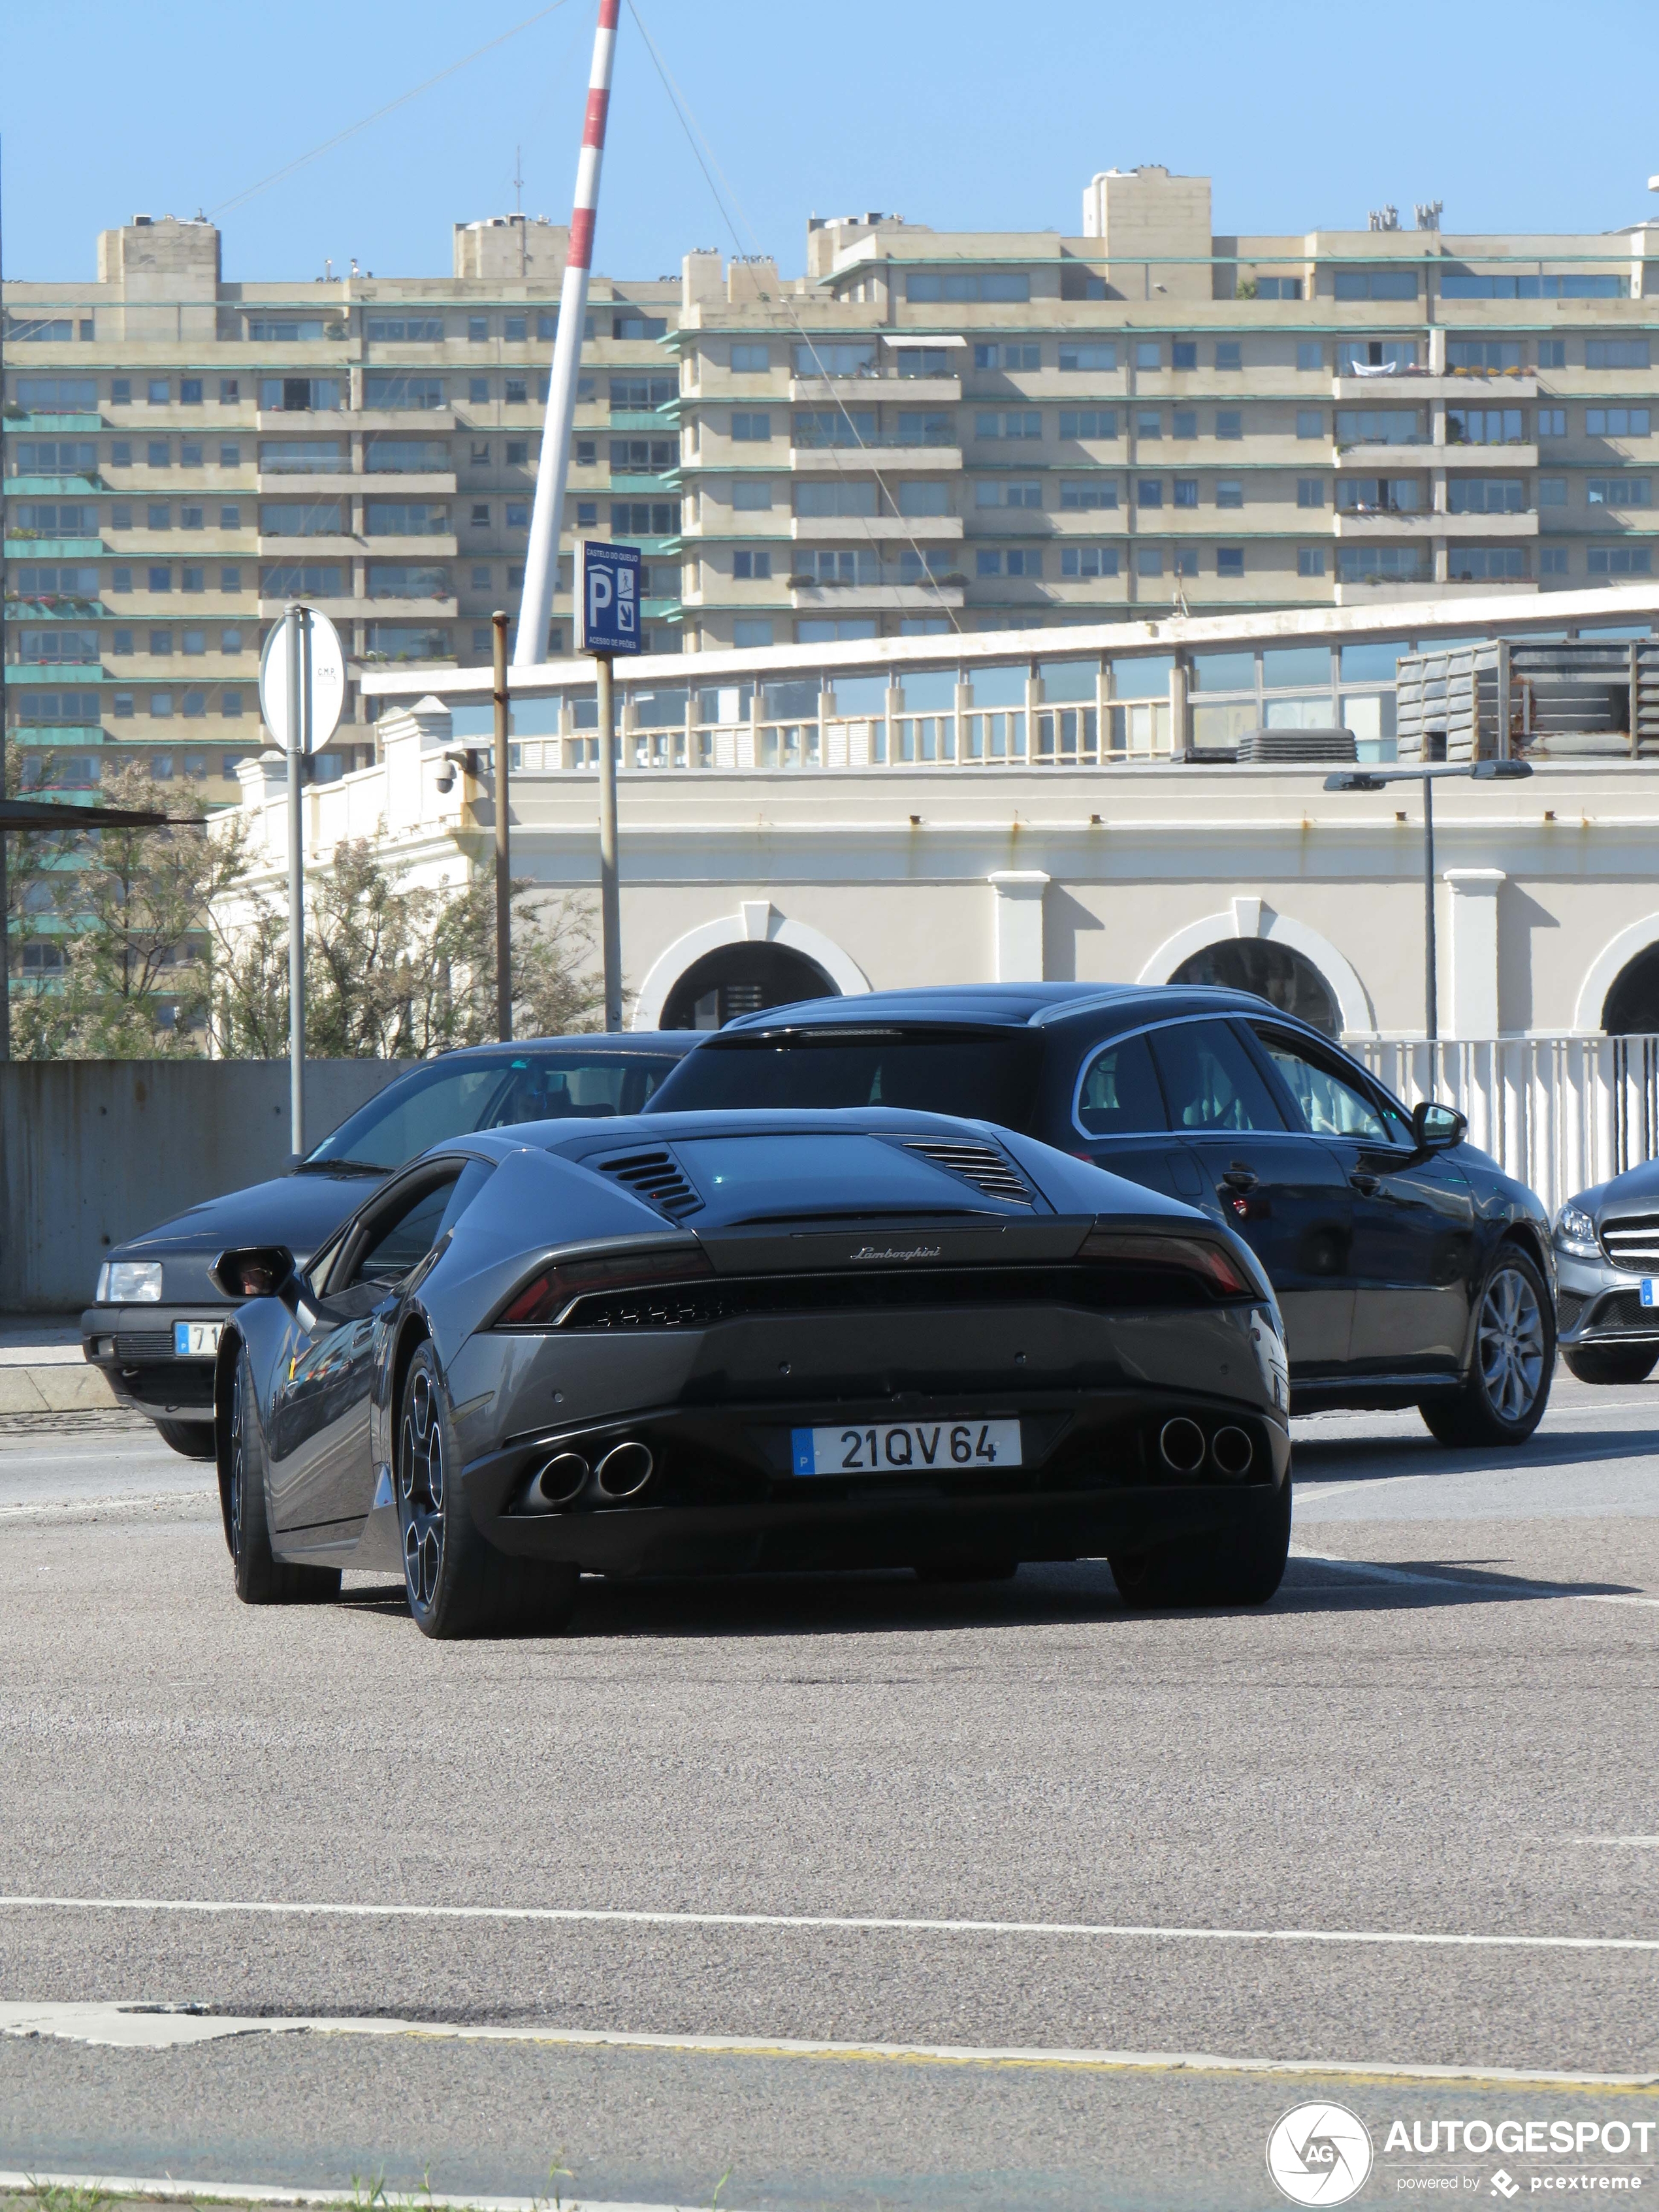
(1285, 979)
(1631, 1005)
(742, 979)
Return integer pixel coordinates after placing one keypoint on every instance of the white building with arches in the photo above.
(1042, 804)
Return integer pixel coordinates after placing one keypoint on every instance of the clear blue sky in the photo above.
(956, 113)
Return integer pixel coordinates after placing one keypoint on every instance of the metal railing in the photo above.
(1558, 1113)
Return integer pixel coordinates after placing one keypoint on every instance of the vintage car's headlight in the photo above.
(130, 1283)
(1575, 1232)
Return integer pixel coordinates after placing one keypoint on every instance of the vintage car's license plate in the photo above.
(907, 1447)
(196, 1339)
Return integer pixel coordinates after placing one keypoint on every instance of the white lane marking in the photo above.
(92, 2024)
(1494, 1586)
(856, 1923)
(1613, 1842)
(172, 2190)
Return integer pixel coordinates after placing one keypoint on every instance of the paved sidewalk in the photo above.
(42, 1368)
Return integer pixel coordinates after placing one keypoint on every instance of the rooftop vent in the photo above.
(982, 1165)
(654, 1177)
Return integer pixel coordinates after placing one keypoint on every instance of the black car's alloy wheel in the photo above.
(1508, 1387)
(261, 1577)
(459, 1583)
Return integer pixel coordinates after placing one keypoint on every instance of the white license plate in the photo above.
(1647, 1290)
(196, 1339)
(907, 1448)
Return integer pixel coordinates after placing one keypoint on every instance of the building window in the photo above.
(1184, 560)
(1376, 283)
(755, 566)
(1183, 354)
(477, 391)
(124, 706)
(1619, 491)
(230, 578)
(121, 579)
(980, 284)
(1309, 560)
(1482, 354)
(1309, 355)
(1088, 421)
(480, 576)
(1486, 495)
(641, 518)
(1358, 564)
(992, 492)
(1613, 422)
(1229, 492)
(1149, 423)
(161, 580)
(230, 518)
(1620, 561)
(193, 580)
(1077, 495)
(1012, 560)
(750, 429)
(479, 518)
(1552, 353)
(1012, 422)
(229, 392)
(1552, 560)
(518, 452)
(192, 518)
(1481, 563)
(120, 391)
(1088, 561)
(587, 514)
(1149, 561)
(1229, 560)
(1229, 353)
(1279, 287)
(1185, 422)
(517, 392)
(1149, 354)
(751, 360)
(587, 452)
(1006, 357)
(1485, 425)
(1186, 491)
(752, 631)
(1551, 491)
(158, 454)
(517, 514)
(1552, 422)
(1615, 353)
(161, 706)
(478, 329)
(160, 644)
(160, 391)
(121, 643)
(1081, 284)
(230, 641)
(1077, 359)
(1309, 422)
(1230, 423)
(1149, 491)
(194, 705)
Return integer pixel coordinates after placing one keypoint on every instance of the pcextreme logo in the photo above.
(1319, 2154)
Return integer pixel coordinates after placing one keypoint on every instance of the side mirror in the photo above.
(253, 1271)
(1437, 1127)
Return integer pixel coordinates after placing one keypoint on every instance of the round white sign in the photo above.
(320, 645)
(1319, 2154)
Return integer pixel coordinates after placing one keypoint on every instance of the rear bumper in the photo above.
(722, 1498)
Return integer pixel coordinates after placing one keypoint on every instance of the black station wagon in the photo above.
(1410, 1269)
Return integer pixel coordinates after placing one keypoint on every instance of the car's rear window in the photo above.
(986, 1076)
(457, 1097)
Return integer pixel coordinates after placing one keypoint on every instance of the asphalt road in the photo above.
(753, 1814)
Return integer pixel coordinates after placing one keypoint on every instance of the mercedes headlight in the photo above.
(1575, 1232)
(130, 1283)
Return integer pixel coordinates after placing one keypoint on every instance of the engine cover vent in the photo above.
(982, 1165)
(654, 1177)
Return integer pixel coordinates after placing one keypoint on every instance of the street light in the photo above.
(1485, 771)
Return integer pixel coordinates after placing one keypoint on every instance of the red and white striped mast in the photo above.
(541, 567)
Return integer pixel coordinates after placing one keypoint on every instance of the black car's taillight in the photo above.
(545, 1296)
(1206, 1266)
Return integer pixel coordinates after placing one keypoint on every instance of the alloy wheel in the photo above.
(238, 1463)
(1510, 1345)
(421, 1488)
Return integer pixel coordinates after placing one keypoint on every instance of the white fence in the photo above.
(1559, 1113)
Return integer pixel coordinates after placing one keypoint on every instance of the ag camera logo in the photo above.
(1319, 2154)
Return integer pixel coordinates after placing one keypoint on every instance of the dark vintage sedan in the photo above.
(1411, 1271)
(155, 1318)
(1607, 1253)
(715, 1341)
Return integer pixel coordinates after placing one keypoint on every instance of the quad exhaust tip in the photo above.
(1232, 1452)
(1180, 1444)
(624, 1470)
(560, 1479)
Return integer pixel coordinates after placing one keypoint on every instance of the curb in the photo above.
(59, 1387)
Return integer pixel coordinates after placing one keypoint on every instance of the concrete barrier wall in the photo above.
(95, 1151)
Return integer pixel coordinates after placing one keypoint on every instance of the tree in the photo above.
(35, 859)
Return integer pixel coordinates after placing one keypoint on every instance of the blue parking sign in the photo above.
(608, 594)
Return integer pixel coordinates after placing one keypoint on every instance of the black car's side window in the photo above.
(397, 1241)
(1118, 1095)
(1331, 1103)
(1210, 1079)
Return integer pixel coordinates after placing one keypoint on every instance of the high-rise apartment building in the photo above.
(938, 430)
(183, 456)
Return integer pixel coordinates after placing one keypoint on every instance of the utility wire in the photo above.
(693, 132)
(363, 123)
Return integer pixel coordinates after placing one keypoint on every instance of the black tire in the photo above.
(967, 1567)
(191, 1439)
(458, 1583)
(1612, 1363)
(1508, 1388)
(1241, 1565)
(261, 1578)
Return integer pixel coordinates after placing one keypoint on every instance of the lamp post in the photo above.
(1485, 771)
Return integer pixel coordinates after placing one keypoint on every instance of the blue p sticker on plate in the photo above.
(1647, 1290)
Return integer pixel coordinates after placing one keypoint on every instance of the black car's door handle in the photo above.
(1364, 1182)
(1240, 1177)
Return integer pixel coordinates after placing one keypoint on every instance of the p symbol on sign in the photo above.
(598, 594)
